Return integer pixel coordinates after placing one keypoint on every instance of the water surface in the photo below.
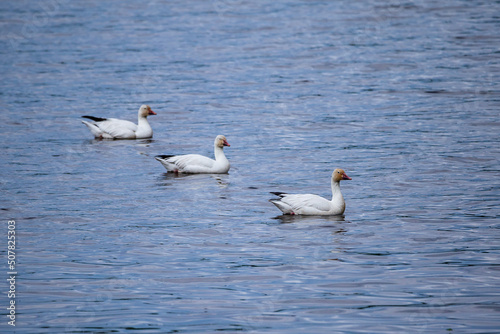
(403, 95)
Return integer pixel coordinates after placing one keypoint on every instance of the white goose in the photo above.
(113, 128)
(198, 164)
(309, 204)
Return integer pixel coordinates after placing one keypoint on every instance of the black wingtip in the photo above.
(164, 156)
(95, 119)
(277, 193)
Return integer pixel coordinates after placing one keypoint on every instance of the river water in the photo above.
(403, 95)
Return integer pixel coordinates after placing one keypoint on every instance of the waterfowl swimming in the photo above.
(309, 204)
(113, 128)
(197, 164)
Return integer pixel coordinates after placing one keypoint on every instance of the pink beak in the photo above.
(151, 112)
(226, 143)
(345, 177)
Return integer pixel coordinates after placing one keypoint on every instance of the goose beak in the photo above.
(226, 143)
(151, 112)
(345, 177)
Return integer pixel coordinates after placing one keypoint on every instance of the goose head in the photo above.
(339, 175)
(145, 111)
(221, 141)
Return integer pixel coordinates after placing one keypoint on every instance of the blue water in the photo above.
(403, 95)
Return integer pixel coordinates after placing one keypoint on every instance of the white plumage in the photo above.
(309, 204)
(198, 164)
(113, 128)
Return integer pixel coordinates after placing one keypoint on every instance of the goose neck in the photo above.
(219, 153)
(335, 190)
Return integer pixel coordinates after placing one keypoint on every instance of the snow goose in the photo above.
(198, 164)
(113, 128)
(309, 204)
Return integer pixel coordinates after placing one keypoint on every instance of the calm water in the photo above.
(404, 95)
